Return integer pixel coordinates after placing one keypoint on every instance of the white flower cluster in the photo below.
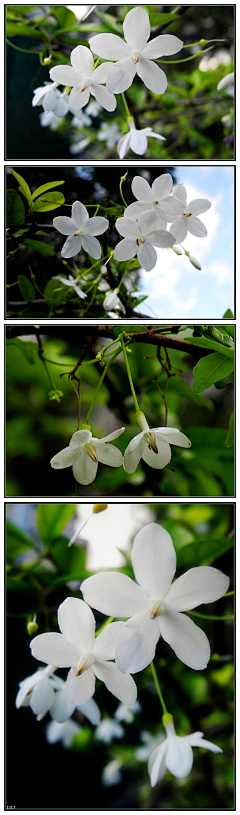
(153, 607)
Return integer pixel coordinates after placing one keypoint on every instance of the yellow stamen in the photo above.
(156, 609)
(90, 450)
(151, 441)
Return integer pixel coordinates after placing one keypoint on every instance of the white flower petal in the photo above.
(65, 458)
(71, 247)
(49, 101)
(91, 710)
(77, 624)
(105, 642)
(123, 145)
(123, 687)
(180, 192)
(137, 208)
(147, 256)
(136, 28)
(64, 225)
(157, 460)
(172, 435)
(109, 46)
(85, 469)
(133, 453)
(162, 46)
(65, 75)
(80, 437)
(121, 75)
(202, 584)
(196, 227)
(187, 640)
(154, 560)
(141, 189)
(61, 710)
(111, 436)
(100, 74)
(179, 229)
(196, 740)
(162, 186)
(153, 77)
(161, 238)
(80, 214)
(125, 250)
(114, 594)
(96, 225)
(138, 142)
(54, 649)
(91, 246)
(136, 645)
(82, 61)
(172, 207)
(108, 454)
(103, 96)
(42, 697)
(127, 227)
(179, 756)
(157, 764)
(148, 221)
(199, 205)
(77, 98)
(80, 688)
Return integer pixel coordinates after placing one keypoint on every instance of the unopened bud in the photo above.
(194, 262)
(99, 508)
(32, 626)
(203, 42)
(226, 82)
(48, 60)
(176, 250)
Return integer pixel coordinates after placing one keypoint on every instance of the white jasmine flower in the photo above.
(73, 283)
(87, 657)
(36, 691)
(187, 222)
(84, 453)
(124, 713)
(109, 133)
(80, 118)
(154, 605)
(136, 54)
(84, 80)
(111, 774)
(175, 754)
(64, 732)
(51, 99)
(226, 82)
(153, 446)
(112, 301)
(93, 109)
(48, 119)
(140, 238)
(136, 140)
(80, 230)
(156, 198)
(108, 730)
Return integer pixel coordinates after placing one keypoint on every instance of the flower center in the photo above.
(135, 56)
(141, 239)
(85, 84)
(90, 450)
(156, 608)
(80, 232)
(155, 203)
(187, 214)
(86, 660)
(150, 438)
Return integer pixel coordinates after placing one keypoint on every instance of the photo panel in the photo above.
(97, 242)
(112, 666)
(101, 83)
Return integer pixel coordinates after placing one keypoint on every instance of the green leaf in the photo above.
(17, 541)
(211, 369)
(24, 188)
(20, 30)
(200, 552)
(230, 435)
(39, 246)
(71, 562)
(228, 314)
(52, 518)
(44, 187)
(15, 208)
(212, 345)
(111, 23)
(54, 292)
(162, 18)
(26, 287)
(28, 348)
(64, 16)
(51, 200)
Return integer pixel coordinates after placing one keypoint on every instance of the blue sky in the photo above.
(175, 288)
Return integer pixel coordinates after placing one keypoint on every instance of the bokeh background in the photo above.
(51, 777)
(37, 428)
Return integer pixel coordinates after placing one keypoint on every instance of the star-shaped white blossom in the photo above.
(175, 754)
(81, 231)
(153, 605)
(136, 140)
(140, 238)
(156, 198)
(84, 80)
(72, 283)
(187, 221)
(86, 656)
(153, 446)
(136, 54)
(51, 99)
(84, 453)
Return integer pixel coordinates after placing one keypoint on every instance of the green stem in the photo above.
(99, 385)
(107, 622)
(23, 50)
(210, 617)
(175, 61)
(122, 179)
(126, 106)
(165, 710)
(137, 408)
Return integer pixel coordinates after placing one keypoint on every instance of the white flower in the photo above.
(136, 54)
(156, 198)
(187, 222)
(111, 774)
(175, 754)
(80, 118)
(48, 119)
(112, 301)
(109, 133)
(80, 229)
(153, 446)
(93, 108)
(136, 140)
(154, 605)
(194, 262)
(149, 744)
(140, 237)
(108, 730)
(226, 82)
(36, 691)
(78, 147)
(64, 732)
(84, 453)
(87, 657)
(83, 80)
(72, 282)
(91, 710)
(51, 99)
(124, 713)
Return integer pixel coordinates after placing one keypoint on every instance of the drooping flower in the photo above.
(48, 119)
(37, 692)
(81, 231)
(124, 713)
(136, 140)
(64, 732)
(175, 754)
(76, 648)
(84, 453)
(140, 238)
(72, 282)
(136, 55)
(156, 198)
(112, 301)
(109, 133)
(84, 80)
(187, 221)
(108, 730)
(152, 445)
(51, 99)
(111, 774)
(226, 83)
(153, 605)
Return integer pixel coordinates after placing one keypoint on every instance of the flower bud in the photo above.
(99, 508)
(48, 60)
(176, 250)
(32, 626)
(226, 82)
(194, 262)
(203, 42)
